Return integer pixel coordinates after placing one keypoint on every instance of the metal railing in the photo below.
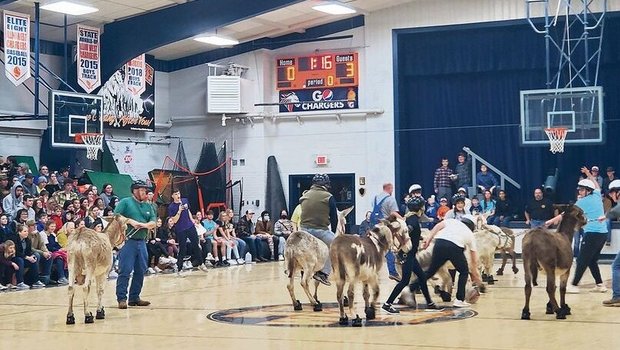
(476, 158)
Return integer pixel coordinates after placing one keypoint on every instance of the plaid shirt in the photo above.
(442, 177)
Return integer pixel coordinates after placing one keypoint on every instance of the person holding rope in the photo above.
(133, 256)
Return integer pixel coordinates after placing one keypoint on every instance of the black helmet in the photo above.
(320, 179)
(415, 203)
(458, 198)
(139, 184)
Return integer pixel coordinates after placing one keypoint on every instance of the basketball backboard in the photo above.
(73, 113)
(580, 110)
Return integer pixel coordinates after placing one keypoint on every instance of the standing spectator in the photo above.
(538, 210)
(318, 213)
(611, 176)
(485, 180)
(184, 228)
(614, 192)
(596, 175)
(245, 231)
(281, 230)
(107, 193)
(264, 230)
(503, 210)
(365, 226)
(388, 206)
(13, 201)
(132, 257)
(442, 180)
(463, 171)
(53, 185)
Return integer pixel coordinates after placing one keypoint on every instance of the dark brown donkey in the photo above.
(552, 251)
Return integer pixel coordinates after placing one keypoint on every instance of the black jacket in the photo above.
(20, 252)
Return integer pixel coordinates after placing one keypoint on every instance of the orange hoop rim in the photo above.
(557, 131)
(79, 137)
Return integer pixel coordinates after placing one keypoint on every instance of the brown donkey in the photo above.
(552, 251)
(90, 258)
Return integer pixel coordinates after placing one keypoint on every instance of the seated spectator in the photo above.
(68, 216)
(476, 208)
(41, 183)
(27, 204)
(93, 217)
(12, 202)
(62, 236)
(595, 174)
(431, 208)
(26, 260)
(158, 257)
(109, 210)
(39, 207)
(281, 230)
(364, 227)
(66, 194)
(42, 219)
(503, 211)
(538, 210)
(264, 231)
(20, 218)
(488, 204)
(57, 217)
(83, 210)
(458, 210)
(44, 257)
(486, 180)
(59, 254)
(99, 204)
(296, 217)
(211, 246)
(463, 193)
(29, 185)
(224, 239)
(245, 231)
(8, 268)
(243, 247)
(53, 185)
(443, 209)
(44, 171)
(5, 230)
(106, 194)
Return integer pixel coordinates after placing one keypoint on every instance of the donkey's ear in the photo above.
(346, 211)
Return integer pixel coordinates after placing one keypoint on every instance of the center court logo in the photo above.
(284, 316)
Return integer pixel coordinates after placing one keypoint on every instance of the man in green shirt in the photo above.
(133, 255)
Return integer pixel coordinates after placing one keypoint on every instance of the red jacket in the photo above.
(58, 220)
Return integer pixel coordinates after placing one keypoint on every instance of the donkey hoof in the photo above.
(515, 269)
(499, 272)
(344, 321)
(549, 309)
(445, 296)
(525, 315)
(100, 314)
(70, 319)
(318, 307)
(370, 313)
(357, 321)
(490, 279)
(89, 319)
(566, 309)
(297, 306)
(345, 301)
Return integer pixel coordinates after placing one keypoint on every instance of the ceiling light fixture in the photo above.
(69, 8)
(334, 8)
(217, 40)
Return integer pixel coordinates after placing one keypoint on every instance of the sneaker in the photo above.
(157, 269)
(22, 286)
(225, 263)
(395, 277)
(240, 261)
(208, 263)
(181, 274)
(599, 288)
(431, 306)
(571, 289)
(203, 268)
(151, 271)
(37, 285)
(322, 277)
(12, 287)
(280, 257)
(612, 302)
(210, 257)
(389, 309)
(63, 281)
(232, 261)
(3, 287)
(187, 265)
(113, 275)
(459, 303)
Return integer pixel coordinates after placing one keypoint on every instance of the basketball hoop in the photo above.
(93, 142)
(557, 136)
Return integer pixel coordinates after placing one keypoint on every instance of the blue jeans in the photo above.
(251, 246)
(608, 231)
(326, 236)
(615, 277)
(391, 263)
(32, 276)
(537, 223)
(45, 268)
(577, 242)
(132, 257)
(498, 221)
(242, 247)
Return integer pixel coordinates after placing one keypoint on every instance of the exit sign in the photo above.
(321, 160)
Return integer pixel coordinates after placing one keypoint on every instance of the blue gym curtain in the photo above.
(459, 86)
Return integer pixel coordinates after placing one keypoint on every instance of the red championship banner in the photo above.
(16, 47)
(135, 75)
(150, 74)
(88, 58)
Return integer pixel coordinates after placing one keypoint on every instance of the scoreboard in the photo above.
(317, 71)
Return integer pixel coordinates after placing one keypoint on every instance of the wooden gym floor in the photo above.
(192, 312)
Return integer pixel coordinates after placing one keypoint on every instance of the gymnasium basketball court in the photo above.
(238, 104)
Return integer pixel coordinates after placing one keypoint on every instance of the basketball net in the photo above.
(93, 142)
(557, 136)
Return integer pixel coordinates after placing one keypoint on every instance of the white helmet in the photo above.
(614, 185)
(586, 183)
(414, 188)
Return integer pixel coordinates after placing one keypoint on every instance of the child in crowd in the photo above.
(443, 209)
(210, 248)
(476, 208)
(8, 268)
